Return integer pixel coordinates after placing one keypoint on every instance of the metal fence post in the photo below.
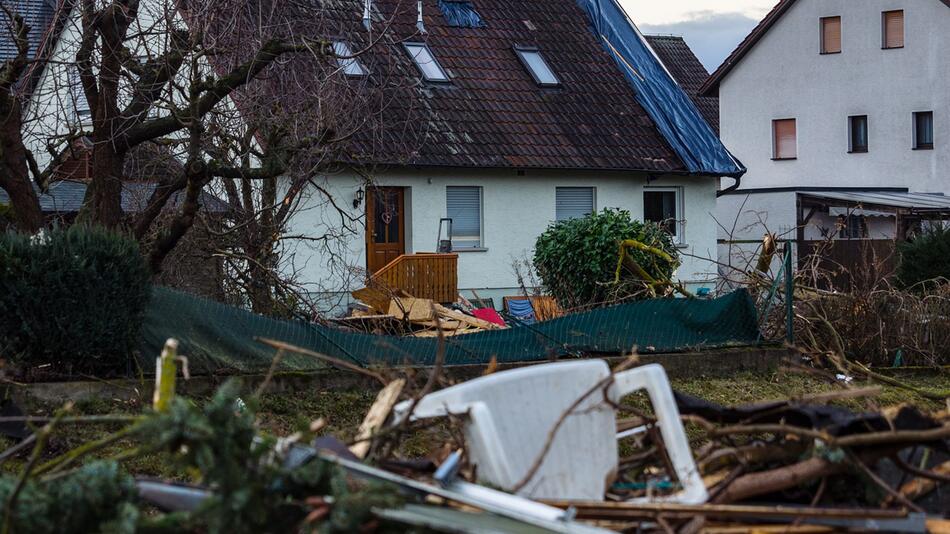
(789, 295)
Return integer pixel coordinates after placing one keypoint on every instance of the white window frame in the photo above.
(481, 220)
(593, 199)
(522, 51)
(348, 64)
(680, 238)
(410, 48)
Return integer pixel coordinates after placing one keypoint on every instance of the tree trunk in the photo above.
(259, 288)
(103, 202)
(14, 174)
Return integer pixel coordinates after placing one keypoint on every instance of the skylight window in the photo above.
(537, 66)
(428, 66)
(346, 61)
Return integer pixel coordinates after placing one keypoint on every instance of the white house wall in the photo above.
(516, 210)
(743, 220)
(784, 76)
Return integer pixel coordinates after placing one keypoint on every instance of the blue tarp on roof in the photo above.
(461, 14)
(674, 114)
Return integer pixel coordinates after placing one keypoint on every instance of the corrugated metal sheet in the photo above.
(913, 201)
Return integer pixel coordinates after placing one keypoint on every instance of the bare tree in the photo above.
(248, 95)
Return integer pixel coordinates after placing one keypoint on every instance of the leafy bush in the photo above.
(73, 297)
(577, 259)
(925, 258)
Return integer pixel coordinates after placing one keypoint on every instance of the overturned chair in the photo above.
(549, 431)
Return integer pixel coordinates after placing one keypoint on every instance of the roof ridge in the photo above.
(749, 42)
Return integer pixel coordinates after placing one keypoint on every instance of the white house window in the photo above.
(542, 73)
(426, 62)
(858, 133)
(924, 130)
(464, 207)
(893, 29)
(784, 139)
(573, 202)
(664, 206)
(346, 61)
(82, 115)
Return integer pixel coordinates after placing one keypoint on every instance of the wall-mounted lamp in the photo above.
(358, 199)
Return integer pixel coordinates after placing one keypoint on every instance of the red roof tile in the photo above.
(493, 114)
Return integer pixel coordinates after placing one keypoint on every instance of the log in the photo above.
(376, 416)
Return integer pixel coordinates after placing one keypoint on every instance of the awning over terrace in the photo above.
(881, 203)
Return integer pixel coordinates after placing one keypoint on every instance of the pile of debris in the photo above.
(549, 438)
(380, 310)
(567, 447)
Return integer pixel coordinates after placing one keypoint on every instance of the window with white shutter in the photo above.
(464, 207)
(573, 202)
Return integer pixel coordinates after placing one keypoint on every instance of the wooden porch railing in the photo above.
(422, 275)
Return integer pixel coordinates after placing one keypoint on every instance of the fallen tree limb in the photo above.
(853, 440)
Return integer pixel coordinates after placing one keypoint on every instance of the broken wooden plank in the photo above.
(377, 297)
(466, 319)
(413, 309)
(376, 416)
(449, 324)
(446, 333)
(920, 486)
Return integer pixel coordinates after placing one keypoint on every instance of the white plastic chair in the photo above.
(511, 414)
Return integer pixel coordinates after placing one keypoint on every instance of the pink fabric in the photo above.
(490, 315)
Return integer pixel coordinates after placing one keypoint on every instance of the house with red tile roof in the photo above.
(501, 117)
(840, 112)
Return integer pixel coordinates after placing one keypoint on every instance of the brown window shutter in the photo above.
(830, 35)
(893, 29)
(784, 139)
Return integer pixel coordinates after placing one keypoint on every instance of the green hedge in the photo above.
(577, 259)
(74, 298)
(925, 258)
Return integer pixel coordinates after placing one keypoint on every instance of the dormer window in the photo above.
(532, 60)
(346, 61)
(422, 56)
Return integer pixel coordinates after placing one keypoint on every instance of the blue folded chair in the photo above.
(522, 311)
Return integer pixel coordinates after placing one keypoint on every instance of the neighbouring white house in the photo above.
(841, 113)
(520, 113)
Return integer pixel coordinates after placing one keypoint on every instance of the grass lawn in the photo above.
(282, 414)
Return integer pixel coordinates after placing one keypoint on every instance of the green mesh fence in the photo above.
(217, 337)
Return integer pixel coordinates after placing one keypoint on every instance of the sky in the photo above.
(712, 28)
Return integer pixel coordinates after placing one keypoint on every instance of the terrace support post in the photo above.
(789, 295)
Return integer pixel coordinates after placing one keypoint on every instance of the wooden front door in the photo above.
(385, 226)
